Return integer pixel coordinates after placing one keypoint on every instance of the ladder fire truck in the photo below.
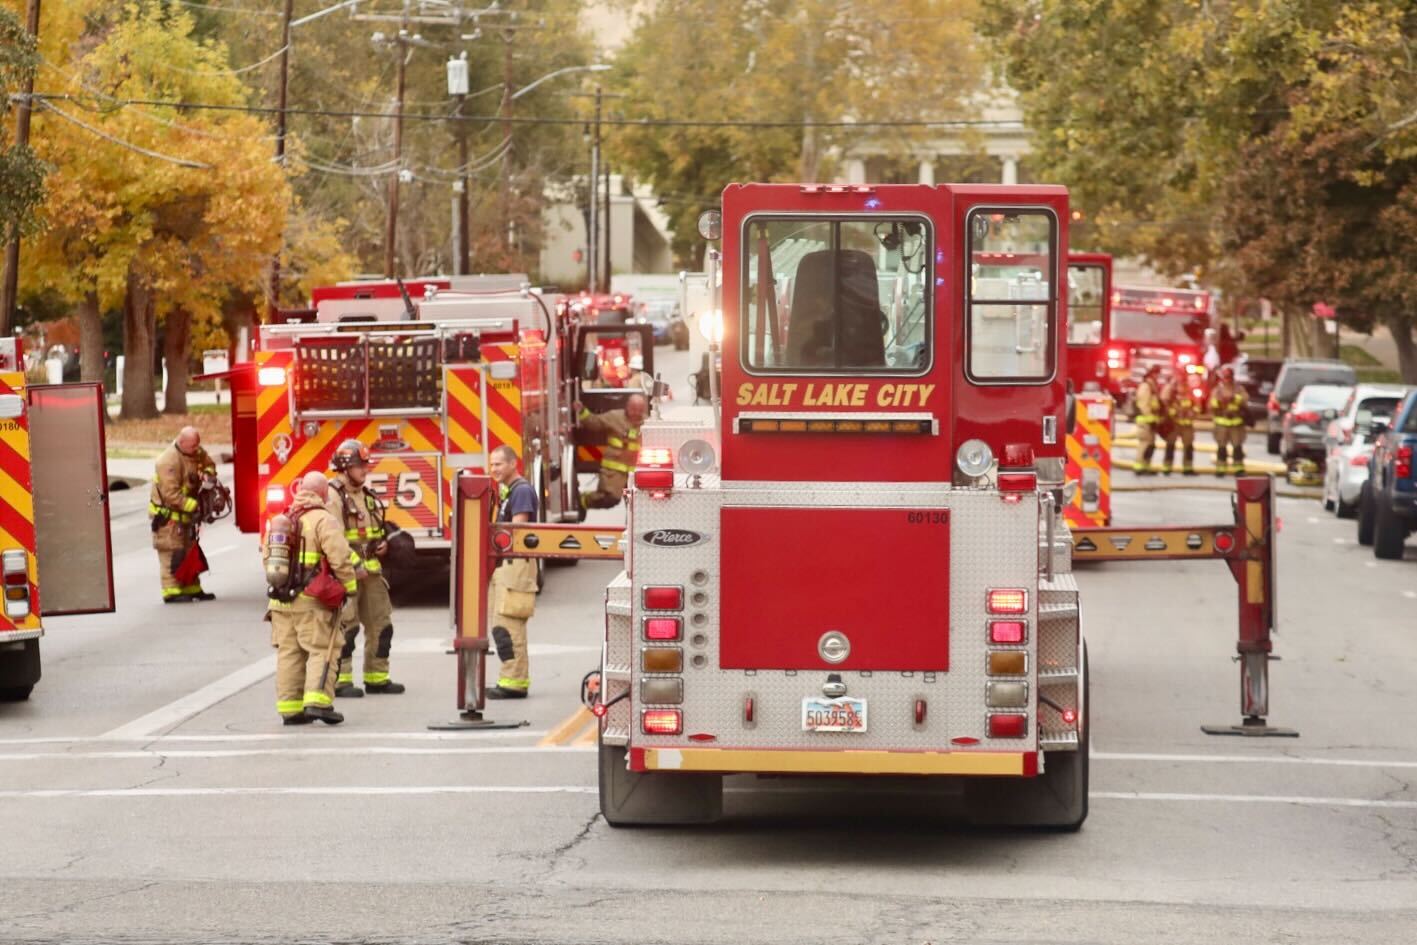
(54, 528)
(431, 375)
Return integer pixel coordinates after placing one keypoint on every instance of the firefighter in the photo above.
(1148, 419)
(362, 513)
(1178, 424)
(1227, 407)
(621, 429)
(303, 629)
(513, 581)
(172, 508)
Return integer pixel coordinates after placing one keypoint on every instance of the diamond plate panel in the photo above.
(995, 546)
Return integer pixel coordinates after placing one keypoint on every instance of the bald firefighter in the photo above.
(361, 512)
(513, 581)
(1227, 408)
(621, 430)
(1148, 420)
(1179, 423)
(304, 620)
(172, 508)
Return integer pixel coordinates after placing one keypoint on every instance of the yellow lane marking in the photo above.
(568, 729)
(589, 735)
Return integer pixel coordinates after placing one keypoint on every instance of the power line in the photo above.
(180, 162)
(244, 69)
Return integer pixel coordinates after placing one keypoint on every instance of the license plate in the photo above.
(834, 715)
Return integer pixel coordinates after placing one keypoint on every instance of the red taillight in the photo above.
(1017, 482)
(1361, 459)
(1224, 542)
(1017, 456)
(654, 456)
(1070, 716)
(1008, 726)
(657, 481)
(502, 541)
(1273, 404)
(662, 628)
(1007, 632)
(664, 598)
(16, 578)
(1402, 468)
(662, 722)
(1011, 600)
(1305, 416)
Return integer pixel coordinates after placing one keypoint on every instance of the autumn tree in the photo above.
(800, 68)
(21, 173)
(157, 209)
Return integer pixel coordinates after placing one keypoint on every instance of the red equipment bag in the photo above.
(326, 588)
(190, 564)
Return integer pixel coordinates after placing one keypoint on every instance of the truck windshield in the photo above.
(824, 295)
(1160, 328)
(1011, 294)
(1085, 288)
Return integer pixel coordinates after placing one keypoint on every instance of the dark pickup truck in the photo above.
(1387, 506)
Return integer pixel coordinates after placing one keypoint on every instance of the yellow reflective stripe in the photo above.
(377, 679)
(310, 557)
(352, 585)
(354, 558)
(1229, 421)
(289, 706)
(373, 565)
(507, 683)
(1147, 418)
(344, 678)
(612, 465)
(616, 442)
(317, 698)
(176, 515)
(190, 505)
(172, 592)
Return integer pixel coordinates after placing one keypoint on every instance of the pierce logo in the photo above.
(672, 538)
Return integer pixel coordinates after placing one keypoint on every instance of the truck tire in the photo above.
(1055, 800)
(1389, 533)
(1365, 515)
(1344, 509)
(19, 671)
(633, 799)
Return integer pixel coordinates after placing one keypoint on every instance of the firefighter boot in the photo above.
(1188, 460)
(344, 682)
(1238, 467)
(1144, 467)
(324, 713)
(1169, 462)
(1222, 453)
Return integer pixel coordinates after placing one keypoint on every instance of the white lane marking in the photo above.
(295, 737)
(1253, 799)
(223, 549)
(1312, 520)
(422, 646)
(1370, 564)
(1344, 541)
(327, 791)
(180, 710)
(1409, 594)
(293, 751)
(1250, 760)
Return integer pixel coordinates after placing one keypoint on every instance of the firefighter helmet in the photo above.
(349, 453)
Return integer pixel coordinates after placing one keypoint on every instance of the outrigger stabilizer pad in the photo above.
(470, 720)
(1252, 727)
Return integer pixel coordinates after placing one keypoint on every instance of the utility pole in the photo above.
(283, 88)
(506, 109)
(605, 278)
(593, 234)
(10, 290)
(392, 221)
(457, 88)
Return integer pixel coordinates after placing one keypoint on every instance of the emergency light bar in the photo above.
(909, 424)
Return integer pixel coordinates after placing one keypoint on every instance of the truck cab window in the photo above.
(847, 294)
(1085, 287)
(1010, 294)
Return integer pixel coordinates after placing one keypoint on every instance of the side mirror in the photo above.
(1330, 414)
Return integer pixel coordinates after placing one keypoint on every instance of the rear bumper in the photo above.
(16, 636)
(1404, 504)
(1306, 444)
(761, 761)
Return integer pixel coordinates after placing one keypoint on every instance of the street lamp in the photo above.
(595, 67)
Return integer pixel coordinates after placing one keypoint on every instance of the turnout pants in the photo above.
(608, 492)
(169, 541)
(375, 612)
(1229, 440)
(508, 631)
(1146, 446)
(305, 659)
(1186, 434)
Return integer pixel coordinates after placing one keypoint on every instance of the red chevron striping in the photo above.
(20, 528)
(15, 465)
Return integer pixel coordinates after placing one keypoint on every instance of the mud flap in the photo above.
(632, 799)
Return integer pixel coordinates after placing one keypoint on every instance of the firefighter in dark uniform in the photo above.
(1227, 408)
(172, 510)
(361, 513)
(1148, 420)
(621, 430)
(1179, 423)
(513, 581)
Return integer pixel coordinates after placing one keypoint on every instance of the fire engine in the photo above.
(431, 375)
(860, 566)
(1090, 421)
(54, 529)
(1156, 327)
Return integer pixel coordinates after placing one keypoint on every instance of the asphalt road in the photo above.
(149, 794)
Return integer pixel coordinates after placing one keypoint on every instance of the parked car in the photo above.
(1387, 506)
(1257, 377)
(668, 327)
(1348, 443)
(1302, 429)
(1294, 376)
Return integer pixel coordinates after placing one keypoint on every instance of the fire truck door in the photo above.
(73, 546)
(601, 385)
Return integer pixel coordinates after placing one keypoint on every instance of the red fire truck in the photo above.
(861, 568)
(1090, 363)
(54, 530)
(431, 375)
(1157, 327)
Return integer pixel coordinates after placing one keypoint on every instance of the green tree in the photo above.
(21, 172)
(799, 63)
